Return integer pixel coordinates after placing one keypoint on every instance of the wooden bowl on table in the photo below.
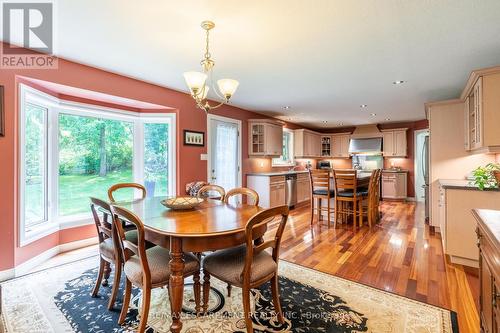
(181, 203)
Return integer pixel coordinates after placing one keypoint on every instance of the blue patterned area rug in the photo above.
(58, 300)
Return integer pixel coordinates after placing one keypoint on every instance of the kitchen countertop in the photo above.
(490, 219)
(276, 173)
(461, 184)
(394, 171)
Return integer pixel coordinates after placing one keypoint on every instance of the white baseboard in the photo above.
(28, 265)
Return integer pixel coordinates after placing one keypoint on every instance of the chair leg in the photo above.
(99, 277)
(312, 210)
(336, 212)
(361, 213)
(206, 290)
(116, 285)
(126, 301)
(197, 292)
(229, 290)
(319, 209)
(276, 298)
(246, 310)
(354, 213)
(107, 273)
(146, 301)
(328, 212)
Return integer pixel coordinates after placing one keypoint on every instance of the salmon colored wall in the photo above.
(84, 77)
(408, 162)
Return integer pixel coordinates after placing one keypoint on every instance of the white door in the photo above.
(224, 152)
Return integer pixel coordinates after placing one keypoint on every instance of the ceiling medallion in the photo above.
(197, 81)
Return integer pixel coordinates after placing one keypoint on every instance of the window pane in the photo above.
(35, 163)
(156, 159)
(93, 155)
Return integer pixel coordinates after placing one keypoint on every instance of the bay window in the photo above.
(71, 151)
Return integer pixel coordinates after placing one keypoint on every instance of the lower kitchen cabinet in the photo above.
(394, 185)
(303, 187)
(488, 242)
(271, 189)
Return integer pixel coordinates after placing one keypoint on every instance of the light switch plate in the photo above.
(203, 157)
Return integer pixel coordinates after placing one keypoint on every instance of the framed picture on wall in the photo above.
(193, 138)
(2, 112)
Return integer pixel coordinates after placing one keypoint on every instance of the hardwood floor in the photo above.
(400, 255)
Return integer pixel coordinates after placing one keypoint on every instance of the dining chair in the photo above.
(372, 198)
(205, 191)
(109, 252)
(347, 192)
(119, 186)
(243, 191)
(147, 268)
(321, 189)
(250, 265)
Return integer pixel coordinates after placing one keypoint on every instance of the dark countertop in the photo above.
(462, 184)
(276, 173)
(491, 220)
(394, 171)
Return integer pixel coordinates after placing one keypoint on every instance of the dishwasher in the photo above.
(291, 190)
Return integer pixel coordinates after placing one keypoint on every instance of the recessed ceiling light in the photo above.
(325, 122)
(398, 82)
(287, 107)
(387, 119)
(373, 114)
(341, 124)
(363, 106)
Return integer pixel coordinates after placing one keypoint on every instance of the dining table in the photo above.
(210, 226)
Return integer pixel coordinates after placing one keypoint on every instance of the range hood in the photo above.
(366, 140)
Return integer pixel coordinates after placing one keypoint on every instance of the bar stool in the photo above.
(347, 192)
(321, 189)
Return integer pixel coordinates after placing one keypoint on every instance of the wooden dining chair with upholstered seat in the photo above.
(373, 198)
(347, 192)
(119, 186)
(250, 266)
(205, 191)
(147, 268)
(321, 190)
(243, 191)
(108, 249)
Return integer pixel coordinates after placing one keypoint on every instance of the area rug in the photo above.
(58, 300)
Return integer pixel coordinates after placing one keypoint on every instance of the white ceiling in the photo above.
(323, 58)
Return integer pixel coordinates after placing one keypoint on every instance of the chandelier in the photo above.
(197, 81)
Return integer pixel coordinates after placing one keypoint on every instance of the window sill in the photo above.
(47, 229)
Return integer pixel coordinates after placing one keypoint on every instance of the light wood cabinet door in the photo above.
(394, 185)
(264, 138)
(400, 143)
(344, 145)
(303, 188)
(273, 140)
(388, 138)
(485, 299)
(277, 194)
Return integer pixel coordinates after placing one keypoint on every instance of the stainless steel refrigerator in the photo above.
(425, 173)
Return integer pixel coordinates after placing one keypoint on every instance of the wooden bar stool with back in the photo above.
(321, 190)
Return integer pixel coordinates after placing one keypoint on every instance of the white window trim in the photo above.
(276, 162)
(55, 107)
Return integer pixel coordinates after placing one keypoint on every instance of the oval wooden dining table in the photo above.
(212, 225)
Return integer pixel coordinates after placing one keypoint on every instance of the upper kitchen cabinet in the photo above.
(326, 146)
(395, 142)
(306, 143)
(265, 137)
(481, 111)
(340, 145)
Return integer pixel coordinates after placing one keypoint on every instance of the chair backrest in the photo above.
(345, 180)
(204, 192)
(243, 191)
(127, 247)
(320, 180)
(253, 231)
(374, 182)
(116, 187)
(104, 228)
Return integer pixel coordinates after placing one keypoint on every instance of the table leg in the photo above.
(176, 283)
(206, 290)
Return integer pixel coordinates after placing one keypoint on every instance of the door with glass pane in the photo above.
(224, 159)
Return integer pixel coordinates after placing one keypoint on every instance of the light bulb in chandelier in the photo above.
(227, 87)
(195, 81)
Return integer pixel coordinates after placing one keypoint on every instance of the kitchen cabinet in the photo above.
(488, 243)
(340, 145)
(394, 141)
(265, 138)
(307, 144)
(326, 146)
(271, 189)
(303, 187)
(394, 185)
(481, 104)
